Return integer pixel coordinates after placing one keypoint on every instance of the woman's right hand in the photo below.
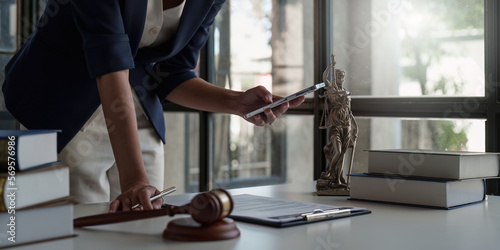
(139, 192)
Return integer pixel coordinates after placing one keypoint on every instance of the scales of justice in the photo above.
(342, 131)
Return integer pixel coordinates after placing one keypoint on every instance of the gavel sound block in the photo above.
(208, 218)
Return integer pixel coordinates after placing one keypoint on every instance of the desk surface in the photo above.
(387, 227)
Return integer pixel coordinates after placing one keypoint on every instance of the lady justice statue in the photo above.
(342, 133)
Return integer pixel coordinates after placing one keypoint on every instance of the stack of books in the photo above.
(440, 179)
(34, 189)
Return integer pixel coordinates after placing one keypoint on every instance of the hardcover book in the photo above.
(25, 189)
(22, 150)
(37, 224)
(454, 165)
(445, 194)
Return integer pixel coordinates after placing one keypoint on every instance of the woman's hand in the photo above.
(258, 97)
(134, 194)
(198, 94)
(119, 111)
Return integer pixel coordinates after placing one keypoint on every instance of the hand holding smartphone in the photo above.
(286, 99)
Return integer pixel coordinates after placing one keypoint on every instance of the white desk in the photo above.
(387, 227)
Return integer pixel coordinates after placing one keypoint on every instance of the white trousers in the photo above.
(93, 172)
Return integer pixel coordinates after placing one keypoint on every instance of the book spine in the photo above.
(414, 164)
(8, 154)
(7, 194)
(9, 165)
(3, 208)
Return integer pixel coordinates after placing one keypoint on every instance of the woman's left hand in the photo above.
(258, 97)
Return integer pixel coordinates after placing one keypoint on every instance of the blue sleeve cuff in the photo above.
(171, 82)
(107, 53)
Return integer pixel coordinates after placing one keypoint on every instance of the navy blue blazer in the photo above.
(50, 82)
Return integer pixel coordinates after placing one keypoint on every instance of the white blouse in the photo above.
(160, 24)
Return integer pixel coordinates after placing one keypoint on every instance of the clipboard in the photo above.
(285, 213)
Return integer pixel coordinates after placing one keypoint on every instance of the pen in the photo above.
(160, 195)
(319, 214)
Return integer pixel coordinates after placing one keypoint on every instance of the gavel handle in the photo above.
(109, 218)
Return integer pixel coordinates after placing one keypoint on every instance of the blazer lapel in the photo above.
(134, 18)
(193, 15)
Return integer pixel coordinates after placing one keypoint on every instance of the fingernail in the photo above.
(269, 98)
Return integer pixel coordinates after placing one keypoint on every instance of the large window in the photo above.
(258, 42)
(419, 73)
(411, 48)
(269, 43)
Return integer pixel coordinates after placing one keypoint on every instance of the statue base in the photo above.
(323, 188)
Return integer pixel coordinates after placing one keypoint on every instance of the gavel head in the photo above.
(207, 208)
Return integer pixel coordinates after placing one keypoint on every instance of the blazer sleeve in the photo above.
(180, 67)
(105, 43)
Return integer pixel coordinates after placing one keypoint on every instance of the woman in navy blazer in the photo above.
(85, 53)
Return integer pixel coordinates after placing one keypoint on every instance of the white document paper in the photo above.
(280, 212)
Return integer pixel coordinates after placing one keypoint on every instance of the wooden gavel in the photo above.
(205, 208)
